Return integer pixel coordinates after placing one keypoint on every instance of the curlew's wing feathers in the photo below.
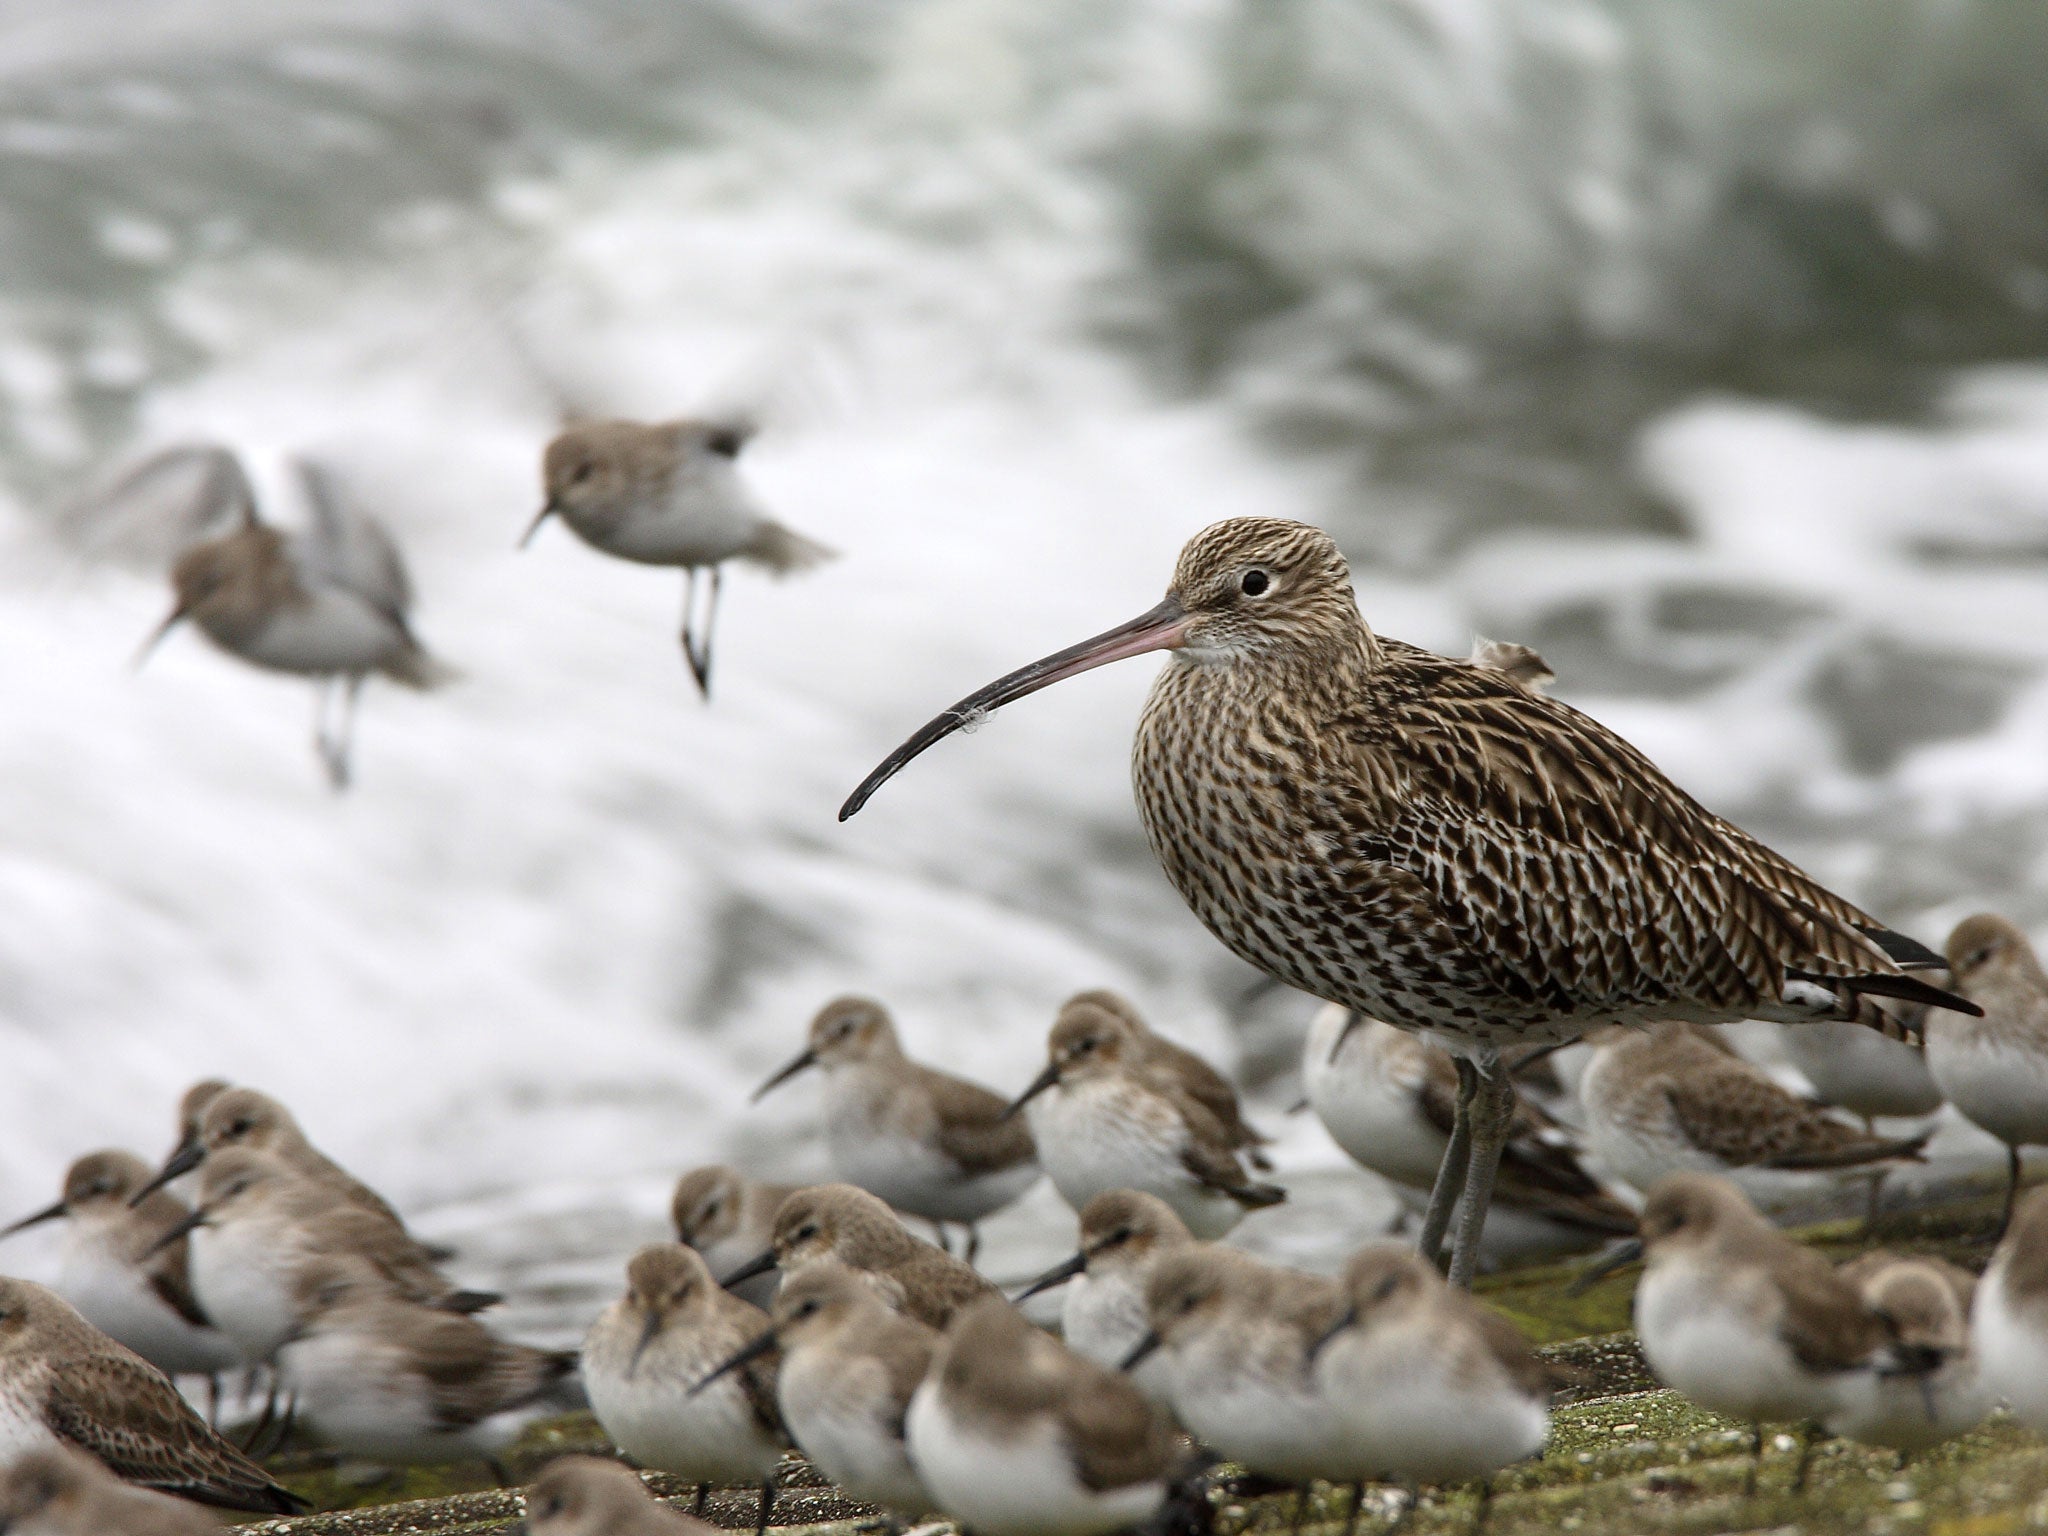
(127, 1415)
(1572, 868)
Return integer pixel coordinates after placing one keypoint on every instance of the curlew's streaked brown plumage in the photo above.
(1438, 844)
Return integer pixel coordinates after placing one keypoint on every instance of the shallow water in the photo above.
(1691, 344)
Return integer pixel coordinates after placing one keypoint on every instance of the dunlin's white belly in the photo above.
(2012, 1351)
(116, 1298)
(244, 1283)
(835, 1414)
(1087, 1146)
(1715, 1340)
(1995, 1085)
(335, 632)
(1410, 1419)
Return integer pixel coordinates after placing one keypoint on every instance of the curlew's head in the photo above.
(1244, 589)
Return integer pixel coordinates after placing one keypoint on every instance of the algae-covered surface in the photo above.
(1624, 1455)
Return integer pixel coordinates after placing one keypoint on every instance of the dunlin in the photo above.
(1389, 1099)
(849, 1367)
(256, 1227)
(1743, 1320)
(838, 1221)
(1180, 1068)
(389, 1380)
(1238, 1339)
(644, 1354)
(1934, 1391)
(1665, 1099)
(1103, 1122)
(589, 1496)
(669, 493)
(330, 602)
(216, 1116)
(1436, 1387)
(63, 1382)
(1436, 844)
(729, 1218)
(1864, 1072)
(929, 1143)
(62, 1492)
(2009, 1321)
(121, 1274)
(1994, 1069)
(1124, 1236)
(1016, 1435)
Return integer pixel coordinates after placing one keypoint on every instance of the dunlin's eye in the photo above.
(1386, 1288)
(581, 472)
(726, 443)
(1254, 582)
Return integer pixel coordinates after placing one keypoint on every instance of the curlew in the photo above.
(1437, 844)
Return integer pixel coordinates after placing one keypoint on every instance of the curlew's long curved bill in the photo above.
(1158, 629)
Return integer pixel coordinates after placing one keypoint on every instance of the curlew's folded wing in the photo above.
(1585, 878)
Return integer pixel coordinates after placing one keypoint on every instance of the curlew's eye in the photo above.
(1254, 582)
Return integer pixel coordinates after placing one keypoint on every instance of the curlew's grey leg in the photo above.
(1450, 1173)
(1490, 1113)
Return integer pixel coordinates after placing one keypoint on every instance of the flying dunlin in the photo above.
(1016, 1435)
(849, 1367)
(122, 1274)
(1389, 1099)
(729, 1218)
(1436, 844)
(63, 1382)
(590, 1496)
(929, 1143)
(1994, 1069)
(838, 1221)
(1103, 1122)
(669, 493)
(1666, 1099)
(331, 602)
(649, 1349)
(62, 1492)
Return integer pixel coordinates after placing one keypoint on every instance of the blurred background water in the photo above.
(1694, 342)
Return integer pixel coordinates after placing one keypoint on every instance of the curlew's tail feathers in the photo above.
(782, 550)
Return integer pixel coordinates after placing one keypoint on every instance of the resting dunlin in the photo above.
(729, 1218)
(849, 1367)
(669, 493)
(1935, 1391)
(1666, 1099)
(389, 1380)
(1743, 1320)
(62, 1492)
(1103, 1122)
(651, 1347)
(256, 1227)
(1180, 1067)
(1389, 1099)
(2009, 1321)
(331, 602)
(216, 1116)
(121, 1273)
(929, 1143)
(1438, 845)
(1016, 1435)
(1124, 1236)
(63, 1382)
(1994, 1069)
(589, 1496)
(1436, 1387)
(838, 1221)
(1238, 1338)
